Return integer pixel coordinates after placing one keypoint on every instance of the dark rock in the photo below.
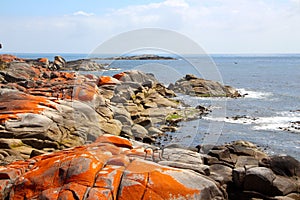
(221, 173)
(259, 179)
(282, 165)
(238, 177)
(242, 161)
(126, 132)
(283, 185)
(222, 154)
(143, 121)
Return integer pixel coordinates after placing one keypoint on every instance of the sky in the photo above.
(218, 26)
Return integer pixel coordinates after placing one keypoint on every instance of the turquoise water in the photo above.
(271, 82)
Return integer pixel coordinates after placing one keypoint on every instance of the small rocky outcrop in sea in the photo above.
(140, 57)
(191, 85)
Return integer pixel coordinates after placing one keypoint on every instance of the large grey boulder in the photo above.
(194, 86)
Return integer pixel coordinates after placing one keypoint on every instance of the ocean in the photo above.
(265, 115)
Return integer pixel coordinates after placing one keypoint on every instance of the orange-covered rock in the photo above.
(44, 60)
(9, 58)
(119, 76)
(102, 170)
(118, 141)
(13, 103)
(107, 80)
(84, 92)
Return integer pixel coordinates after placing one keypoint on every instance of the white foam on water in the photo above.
(195, 98)
(243, 120)
(282, 121)
(254, 94)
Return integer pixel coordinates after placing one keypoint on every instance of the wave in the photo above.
(254, 94)
(284, 121)
(241, 120)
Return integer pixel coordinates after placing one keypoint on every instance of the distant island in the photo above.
(139, 57)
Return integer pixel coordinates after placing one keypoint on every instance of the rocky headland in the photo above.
(71, 136)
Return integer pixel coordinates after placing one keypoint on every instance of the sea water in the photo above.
(272, 98)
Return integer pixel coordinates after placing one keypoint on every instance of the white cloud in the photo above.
(223, 25)
(218, 25)
(82, 13)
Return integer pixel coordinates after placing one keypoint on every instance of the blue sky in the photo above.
(219, 26)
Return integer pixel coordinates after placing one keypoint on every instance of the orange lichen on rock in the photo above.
(13, 103)
(9, 58)
(84, 92)
(152, 181)
(107, 80)
(44, 60)
(119, 75)
(118, 141)
(95, 171)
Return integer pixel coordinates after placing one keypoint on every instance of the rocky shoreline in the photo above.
(71, 136)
